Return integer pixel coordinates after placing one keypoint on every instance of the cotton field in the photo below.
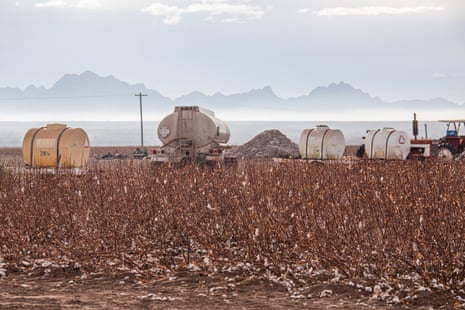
(392, 229)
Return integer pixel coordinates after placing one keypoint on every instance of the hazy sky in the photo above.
(401, 49)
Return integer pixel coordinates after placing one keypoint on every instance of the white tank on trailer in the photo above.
(387, 143)
(322, 143)
(193, 123)
(192, 132)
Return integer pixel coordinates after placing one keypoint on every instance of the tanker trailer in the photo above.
(192, 133)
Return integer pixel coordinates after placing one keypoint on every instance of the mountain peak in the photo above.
(340, 90)
(341, 85)
(265, 90)
(89, 83)
(31, 87)
(94, 76)
(194, 97)
(88, 73)
(263, 93)
(218, 95)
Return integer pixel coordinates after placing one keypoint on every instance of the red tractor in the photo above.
(447, 147)
(452, 143)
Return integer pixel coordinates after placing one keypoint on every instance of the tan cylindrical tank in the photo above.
(387, 143)
(193, 123)
(56, 146)
(322, 143)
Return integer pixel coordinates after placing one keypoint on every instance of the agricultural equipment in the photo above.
(387, 143)
(446, 147)
(192, 133)
(321, 143)
(56, 146)
(452, 144)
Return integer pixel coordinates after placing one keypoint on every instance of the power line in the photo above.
(61, 97)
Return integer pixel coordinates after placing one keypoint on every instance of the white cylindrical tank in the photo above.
(387, 143)
(193, 123)
(322, 142)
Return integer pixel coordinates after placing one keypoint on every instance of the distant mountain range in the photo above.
(86, 95)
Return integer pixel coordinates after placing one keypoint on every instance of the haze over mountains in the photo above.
(88, 96)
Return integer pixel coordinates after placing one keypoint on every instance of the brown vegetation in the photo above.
(394, 228)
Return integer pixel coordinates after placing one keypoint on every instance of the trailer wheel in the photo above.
(360, 151)
(445, 153)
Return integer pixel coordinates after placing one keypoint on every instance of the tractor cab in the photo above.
(454, 140)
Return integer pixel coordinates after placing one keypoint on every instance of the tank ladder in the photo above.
(185, 146)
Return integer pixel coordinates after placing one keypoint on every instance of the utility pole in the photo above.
(140, 95)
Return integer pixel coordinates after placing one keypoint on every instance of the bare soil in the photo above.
(71, 289)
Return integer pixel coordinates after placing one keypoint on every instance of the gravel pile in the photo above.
(268, 144)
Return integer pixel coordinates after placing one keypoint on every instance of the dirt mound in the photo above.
(268, 144)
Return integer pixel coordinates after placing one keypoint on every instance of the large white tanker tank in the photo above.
(192, 132)
(322, 142)
(387, 143)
